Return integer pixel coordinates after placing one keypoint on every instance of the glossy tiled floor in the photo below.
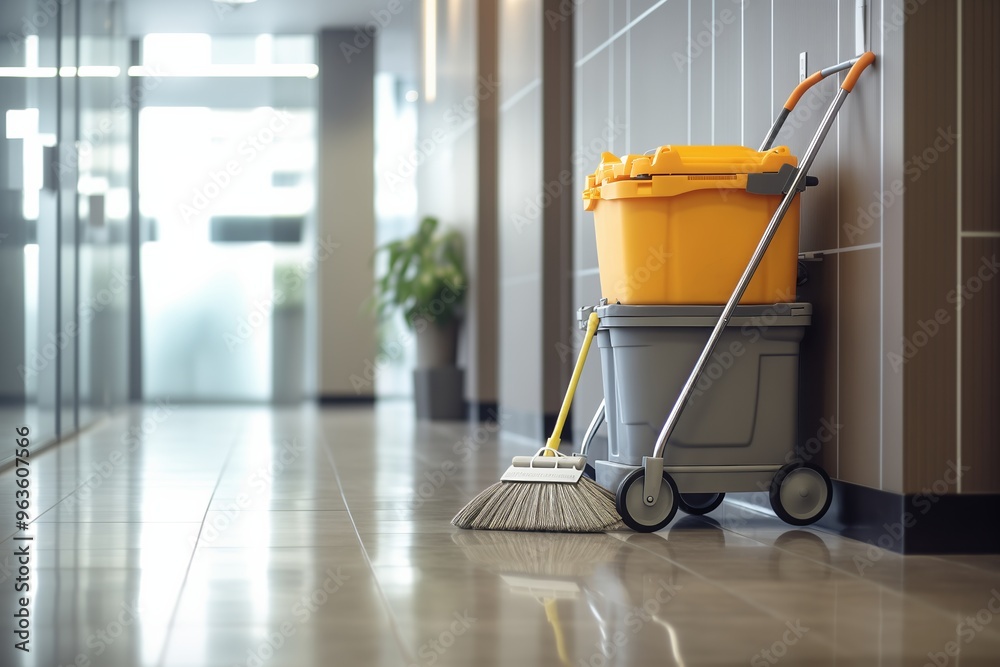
(248, 536)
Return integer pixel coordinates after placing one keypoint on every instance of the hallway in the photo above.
(222, 536)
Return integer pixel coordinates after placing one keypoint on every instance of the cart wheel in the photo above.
(590, 473)
(801, 493)
(635, 513)
(699, 503)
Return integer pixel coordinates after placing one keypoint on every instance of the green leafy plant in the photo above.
(424, 277)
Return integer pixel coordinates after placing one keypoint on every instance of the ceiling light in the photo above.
(29, 72)
(306, 70)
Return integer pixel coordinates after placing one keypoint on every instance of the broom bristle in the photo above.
(584, 507)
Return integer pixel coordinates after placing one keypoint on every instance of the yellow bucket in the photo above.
(679, 226)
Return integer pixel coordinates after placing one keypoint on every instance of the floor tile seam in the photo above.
(172, 622)
(876, 584)
(970, 566)
(75, 438)
(406, 654)
(822, 637)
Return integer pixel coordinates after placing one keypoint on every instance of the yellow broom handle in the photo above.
(592, 322)
(552, 614)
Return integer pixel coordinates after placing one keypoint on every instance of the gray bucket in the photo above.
(743, 413)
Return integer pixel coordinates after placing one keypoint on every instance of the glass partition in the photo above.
(227, 164)
(29, 341)
(60, 162)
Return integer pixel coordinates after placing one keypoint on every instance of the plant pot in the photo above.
(438, 384)
(288, 362)
(437, 345)
(438, 393)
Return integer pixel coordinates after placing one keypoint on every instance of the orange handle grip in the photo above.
(801, 89)
(852, 77)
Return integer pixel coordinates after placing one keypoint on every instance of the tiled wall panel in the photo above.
(651, 72)
(704, 71)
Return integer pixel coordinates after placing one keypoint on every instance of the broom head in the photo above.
(545, 492)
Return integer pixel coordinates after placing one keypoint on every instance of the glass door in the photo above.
(227, 173)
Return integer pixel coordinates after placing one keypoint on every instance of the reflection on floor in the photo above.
(249, 536)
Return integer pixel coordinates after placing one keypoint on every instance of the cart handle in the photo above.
(856, 65)
(654, 464)
(852, 77)
(816, 77)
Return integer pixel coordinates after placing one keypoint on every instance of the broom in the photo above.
(547, 491)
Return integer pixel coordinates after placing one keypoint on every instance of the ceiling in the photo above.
(396, 51)
(264, 16)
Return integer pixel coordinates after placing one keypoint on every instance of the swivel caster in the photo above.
(801, 493)
(631, 505)
(699, 503)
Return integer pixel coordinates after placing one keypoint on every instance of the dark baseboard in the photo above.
(911, 523)
(482, 411)
(344, 399)
(953, 524)
(862, 514)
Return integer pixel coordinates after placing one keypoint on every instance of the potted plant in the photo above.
(425, 280)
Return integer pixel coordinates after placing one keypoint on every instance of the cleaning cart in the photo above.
(675, 230)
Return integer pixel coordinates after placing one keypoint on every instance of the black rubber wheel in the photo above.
(699, 503)
(589, 472)
(801, 493)
(635, 513)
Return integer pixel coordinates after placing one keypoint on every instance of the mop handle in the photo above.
(727, 312)
(553, 442)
